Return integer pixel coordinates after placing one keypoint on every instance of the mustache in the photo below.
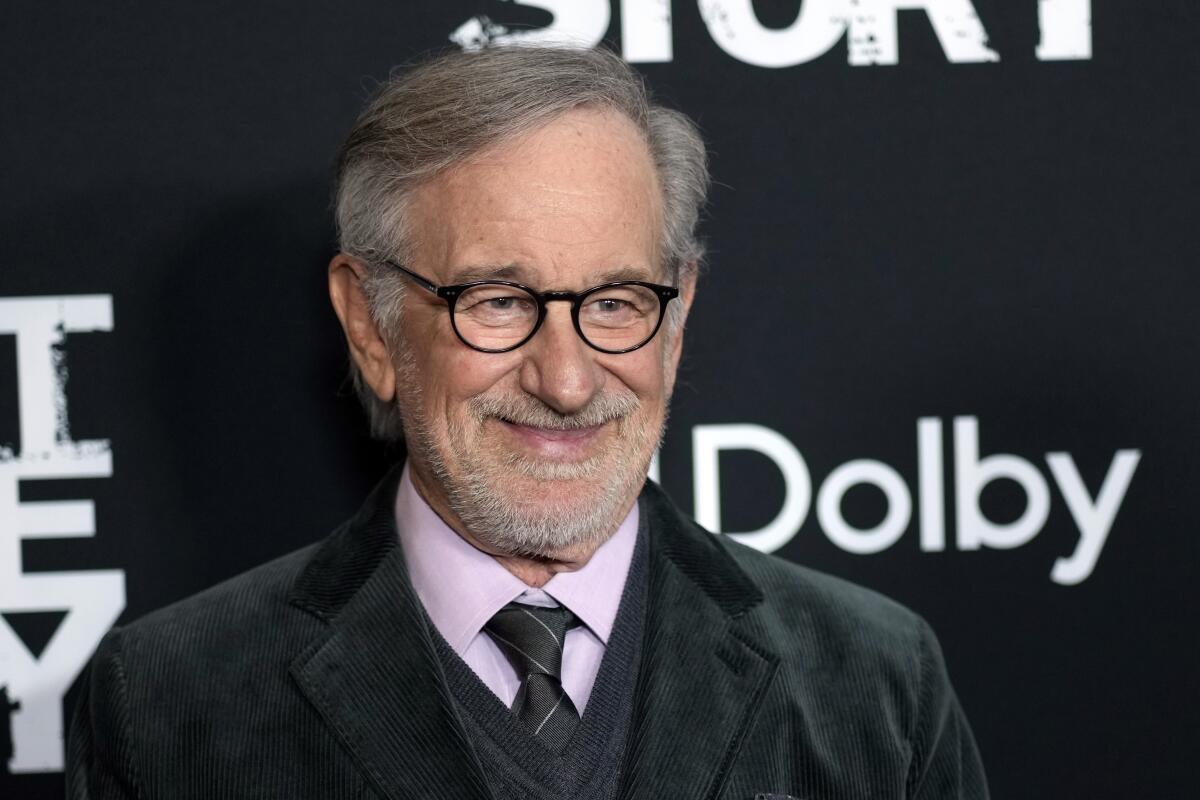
(524, 409)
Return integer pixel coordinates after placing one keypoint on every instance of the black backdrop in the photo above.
(1010, 243)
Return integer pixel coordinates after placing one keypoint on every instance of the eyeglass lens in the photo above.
(494, 316)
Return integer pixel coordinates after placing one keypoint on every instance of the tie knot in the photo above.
(532, 636)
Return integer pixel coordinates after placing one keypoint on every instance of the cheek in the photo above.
(456, 373)
(642, 371)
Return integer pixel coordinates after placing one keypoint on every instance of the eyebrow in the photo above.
(517, 273)
(505, 272)
(627, 274)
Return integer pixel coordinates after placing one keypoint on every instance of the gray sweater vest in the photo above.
(518, 766)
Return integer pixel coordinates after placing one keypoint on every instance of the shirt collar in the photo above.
(461, 587)
(593, 592)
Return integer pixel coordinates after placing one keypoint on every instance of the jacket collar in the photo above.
(705, 669)
(376, 680)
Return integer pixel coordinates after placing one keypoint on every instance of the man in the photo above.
(515, 612)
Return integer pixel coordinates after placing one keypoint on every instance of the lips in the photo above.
(554, 443)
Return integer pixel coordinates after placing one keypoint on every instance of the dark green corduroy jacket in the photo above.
(314, 676)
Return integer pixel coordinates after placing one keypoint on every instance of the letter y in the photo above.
(1094, 519)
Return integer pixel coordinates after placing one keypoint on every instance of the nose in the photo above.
(559, 368)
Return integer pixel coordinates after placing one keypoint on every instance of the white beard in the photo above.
(509, 503)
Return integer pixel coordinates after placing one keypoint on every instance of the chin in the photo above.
(560, 493)
(530, 498)
(560, 507)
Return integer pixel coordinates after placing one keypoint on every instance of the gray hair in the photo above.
(427, 119)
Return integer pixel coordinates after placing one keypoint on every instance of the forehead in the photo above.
(575, 198)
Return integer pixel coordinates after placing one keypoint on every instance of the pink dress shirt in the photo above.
(462, 587)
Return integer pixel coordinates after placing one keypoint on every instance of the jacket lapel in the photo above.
(704, 672)
(376, 680)
(375, 677)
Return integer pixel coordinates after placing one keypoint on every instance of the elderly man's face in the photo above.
(541, 450)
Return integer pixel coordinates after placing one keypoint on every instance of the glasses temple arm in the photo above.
(417, 279)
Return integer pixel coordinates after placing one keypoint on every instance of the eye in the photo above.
(493, 299)
(618, 307)
(611, 305)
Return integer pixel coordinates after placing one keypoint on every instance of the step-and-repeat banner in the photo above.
(946, 345)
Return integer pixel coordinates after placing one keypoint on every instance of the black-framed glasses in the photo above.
(495, 316)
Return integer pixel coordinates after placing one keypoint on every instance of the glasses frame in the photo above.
(450, 294)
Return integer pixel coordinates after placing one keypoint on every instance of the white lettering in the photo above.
(929, 482)
(1094, 519)
(958, 28)
(709, 440)
(576, 23)
(971, 474)
(736, 30)
(871, 540)
(91, 600)
(646, 31)
(1066, 27)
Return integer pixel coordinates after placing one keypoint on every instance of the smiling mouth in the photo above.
(554, 443)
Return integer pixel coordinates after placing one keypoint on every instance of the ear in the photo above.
(687, 293)
(367, 346)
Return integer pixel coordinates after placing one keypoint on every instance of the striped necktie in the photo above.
(532, 637)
